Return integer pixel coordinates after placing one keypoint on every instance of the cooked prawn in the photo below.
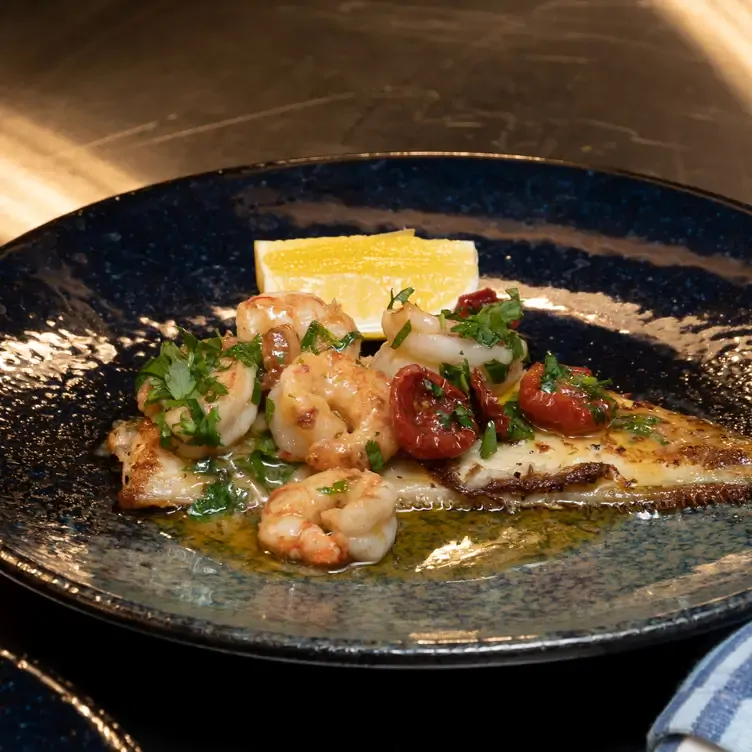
(152, 476)
(431, 342)
(327, 407)
(235, 409)
(298, 310)
(331, 518)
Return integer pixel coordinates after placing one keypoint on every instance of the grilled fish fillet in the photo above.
(691, 462)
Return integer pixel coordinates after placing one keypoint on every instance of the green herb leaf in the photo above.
(457, 375)
(269, 410)
(256, 396)
(463, 416)
(337, 487)
(165, 434)
(401, 335)
(490, 325)
(341, 344)
(179, 380)
(488, 444)
(599, 414)
(401, 297)
(180, 376)
(519, 428)
(248, 353)
(375, 458)
(220, 496)
(435, 389)
(496, 370)
(308, 343)
(317, 333)
(552, 373)
(270, 471)
(640, 425)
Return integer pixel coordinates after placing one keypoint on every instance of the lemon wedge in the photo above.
(358, 271)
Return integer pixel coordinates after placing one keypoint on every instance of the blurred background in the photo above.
(99, 97)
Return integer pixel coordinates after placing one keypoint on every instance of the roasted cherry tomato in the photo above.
(472, 302)
(489, 408)
(568, 409)
(431, 417)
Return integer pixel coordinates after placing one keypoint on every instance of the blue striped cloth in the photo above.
(714, 705)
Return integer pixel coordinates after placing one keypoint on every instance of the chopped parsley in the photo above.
(457, 375)
(375, 458)
(554, 372)
(401, 297)
(269, 408)
(460, 415)
(181, 375)
(496, 370)
(488, 444)
(248, 353)
(640, 425)
(518, 429)
(219, 496)
(491, 324)
(337, 487)
(317, 334)
(435, 389)
(402, 335)
(264, 464)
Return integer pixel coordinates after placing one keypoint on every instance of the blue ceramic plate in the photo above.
(39, 712)
(648, 282)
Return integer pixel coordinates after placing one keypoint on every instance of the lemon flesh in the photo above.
(358, 271)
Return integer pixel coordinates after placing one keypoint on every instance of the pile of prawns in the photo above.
(294, 369)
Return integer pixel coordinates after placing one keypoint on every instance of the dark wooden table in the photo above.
(101, 96)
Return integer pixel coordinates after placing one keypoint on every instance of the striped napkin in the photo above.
(712, 710)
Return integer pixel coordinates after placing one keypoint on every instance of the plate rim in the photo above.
(109, 730)
(715, 614)
(280, 164)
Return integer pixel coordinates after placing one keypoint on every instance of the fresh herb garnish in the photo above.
(518, 429)
(496, 370)
(553, 372)
(264, 465)
(460, 415)
(269, 408)
(182, 375)
(375, 458)
(337, 487)
(401, 297)
(488, 444)
(600, 416)
(435, 389)
(318, 334)
(463, 416)
(457, 375)
(640, 425)
(219, 496)
(491, 324)
(248, 353)
(402, 335)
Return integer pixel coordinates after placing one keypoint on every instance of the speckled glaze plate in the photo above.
(646, 281)
(40, 712)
